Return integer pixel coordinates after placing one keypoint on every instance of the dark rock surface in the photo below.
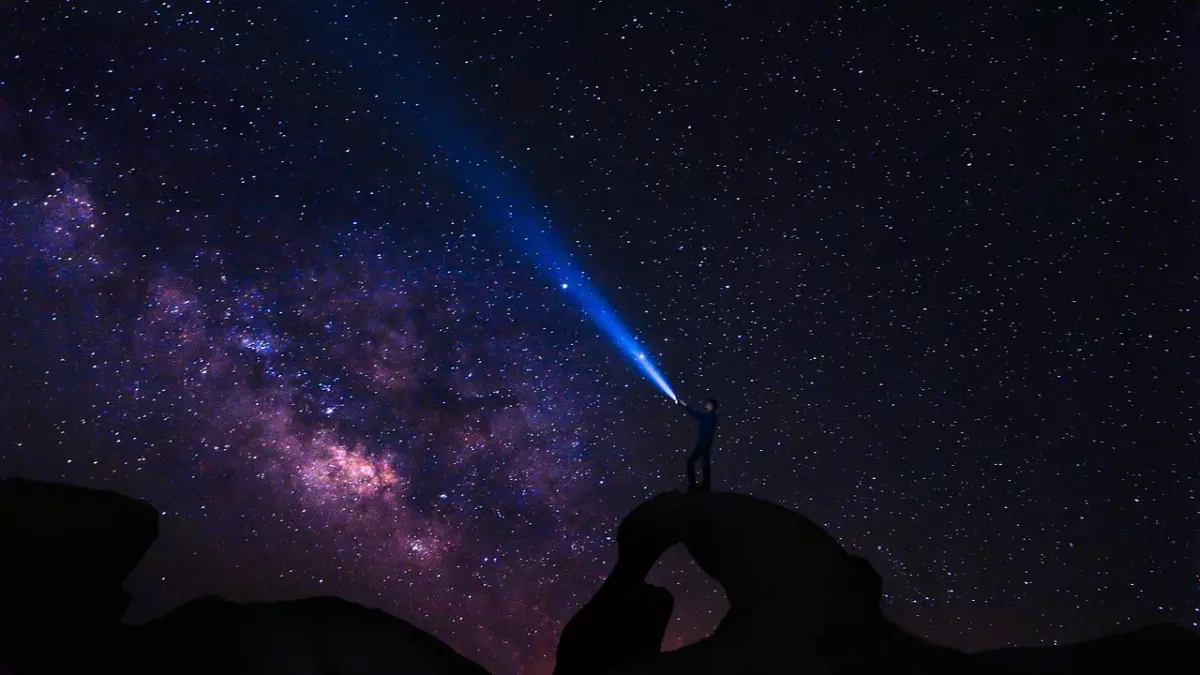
(65, 553)
(621, 623)
(799, 603)
(65, 546)
(1161, 649)
(313, 636)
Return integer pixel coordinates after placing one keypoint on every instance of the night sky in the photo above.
(258, 267)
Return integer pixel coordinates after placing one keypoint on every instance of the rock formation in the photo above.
(798, 603)
(623, 622)
(66, 552)
(1161, 649)
(314, 636)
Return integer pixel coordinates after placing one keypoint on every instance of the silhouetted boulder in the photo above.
(315, 636)
(625, 620)
(1162, 649)
(66, 553)
(70, 545)
(798, 602)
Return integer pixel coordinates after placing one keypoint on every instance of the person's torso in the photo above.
(708, 426)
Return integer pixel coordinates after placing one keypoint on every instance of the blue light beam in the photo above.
(600, 312)
(387, 64)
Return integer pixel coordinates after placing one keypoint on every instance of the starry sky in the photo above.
(257, 268)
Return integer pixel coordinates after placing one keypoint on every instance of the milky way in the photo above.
(927, 261)
(402, 413)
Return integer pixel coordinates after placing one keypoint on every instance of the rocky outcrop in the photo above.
(65, 553)
(314, 636)
(625, 621)
(764, 556)
(69, 547)
(799, 603)
(1162, 649)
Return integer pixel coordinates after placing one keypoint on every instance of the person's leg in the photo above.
(691, 465)
(706, 458)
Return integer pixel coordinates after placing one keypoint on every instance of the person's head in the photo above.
(711, 405)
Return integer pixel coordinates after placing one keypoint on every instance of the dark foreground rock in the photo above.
(623, 622)
(315, 636)
(798, 603)
(1162, 649)
(69, 548)
(65, 553)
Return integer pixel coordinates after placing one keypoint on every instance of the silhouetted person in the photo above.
(704, 441)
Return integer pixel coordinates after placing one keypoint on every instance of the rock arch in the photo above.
(798, 602)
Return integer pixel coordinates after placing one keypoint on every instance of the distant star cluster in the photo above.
(930, 264)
